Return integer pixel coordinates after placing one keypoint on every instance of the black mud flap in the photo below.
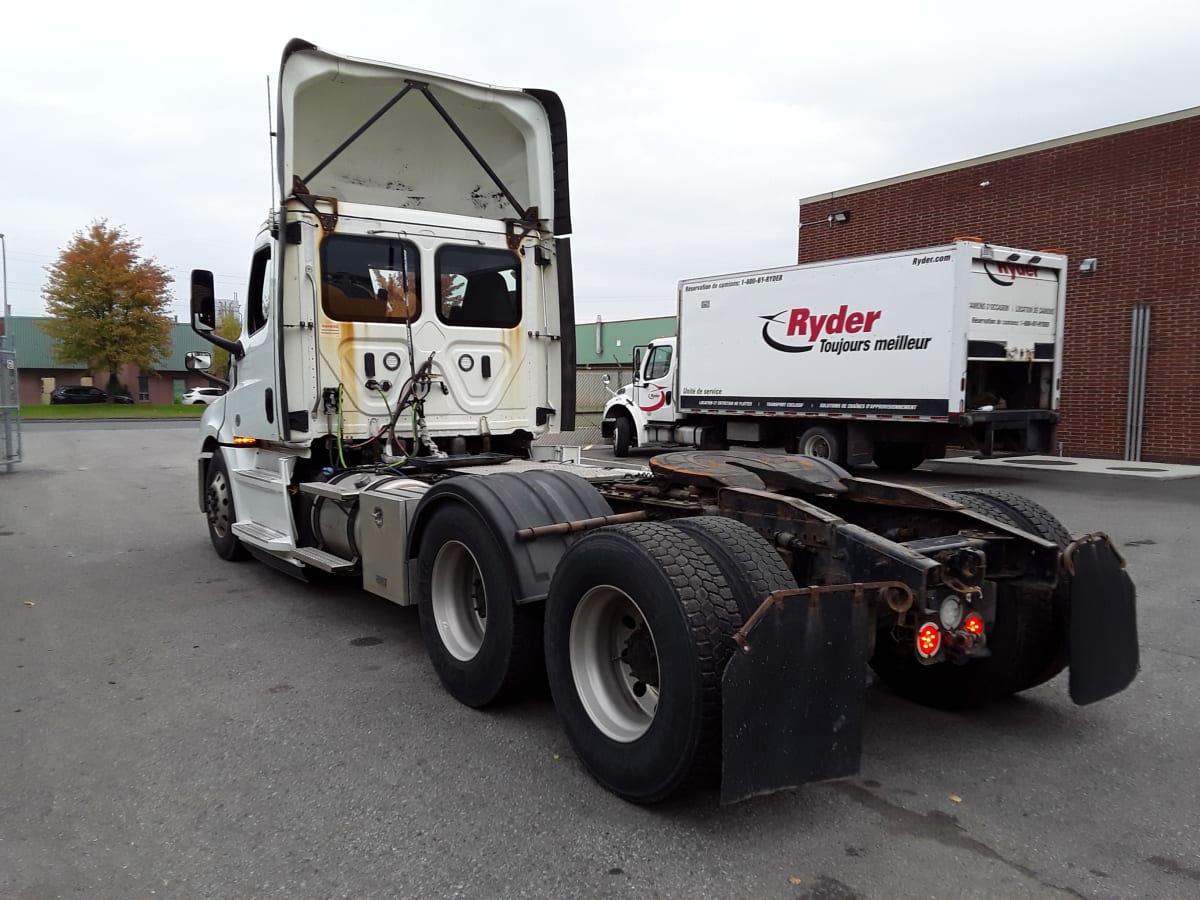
(792, 705)
(1103, 635)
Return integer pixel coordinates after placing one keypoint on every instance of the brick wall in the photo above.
(1130, 199)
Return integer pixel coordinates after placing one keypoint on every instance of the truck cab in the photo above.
(410, 296)
(643, 413)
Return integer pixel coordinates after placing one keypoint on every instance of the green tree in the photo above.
(229, 325)
(107, 304)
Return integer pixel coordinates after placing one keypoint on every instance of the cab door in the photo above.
(253, 403)
(655, 395)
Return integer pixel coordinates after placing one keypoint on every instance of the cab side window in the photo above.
(259, 295)
(660, 363)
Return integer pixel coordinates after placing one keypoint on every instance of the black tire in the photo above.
(1020, 511)
(483, 646)
(1026, 514)
(822, 442)
(894, 457)
(640, 605)
(219, 510)
(1027, 641)
(621, 437)
(750, 565)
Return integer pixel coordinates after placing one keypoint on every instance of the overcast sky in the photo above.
(694, 127)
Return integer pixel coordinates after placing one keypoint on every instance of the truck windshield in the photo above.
(479, 287)
(363, 279)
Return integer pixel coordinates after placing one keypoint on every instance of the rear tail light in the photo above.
(929, 640)
(973, 624)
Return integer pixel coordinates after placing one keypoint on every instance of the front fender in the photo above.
(622, 406)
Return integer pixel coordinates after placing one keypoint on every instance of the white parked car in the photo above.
(203, 395)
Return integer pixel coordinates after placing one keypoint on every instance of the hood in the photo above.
(380, 134)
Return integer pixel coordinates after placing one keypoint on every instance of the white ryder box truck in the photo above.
(886, 358)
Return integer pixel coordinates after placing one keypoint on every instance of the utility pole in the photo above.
(10, 386)
(4, 263)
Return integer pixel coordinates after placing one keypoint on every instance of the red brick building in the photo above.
(1127, 198)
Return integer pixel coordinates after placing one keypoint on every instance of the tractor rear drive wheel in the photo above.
(1027, 641)
(750, 565)
(483, 646)
(638, 630)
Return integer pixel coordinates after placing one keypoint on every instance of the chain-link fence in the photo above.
(10, 411)
(590, 392)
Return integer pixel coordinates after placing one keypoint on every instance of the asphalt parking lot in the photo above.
(175, 726)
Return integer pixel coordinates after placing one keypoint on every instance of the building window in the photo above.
(143, 387)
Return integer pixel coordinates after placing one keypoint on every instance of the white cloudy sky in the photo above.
(694, 126)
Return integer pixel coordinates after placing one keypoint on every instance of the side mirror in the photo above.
(607, 381)
(204, 302)
(198, 360)
(204, 313)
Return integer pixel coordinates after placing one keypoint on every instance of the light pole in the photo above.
(4, 263)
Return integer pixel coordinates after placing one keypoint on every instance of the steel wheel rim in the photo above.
(459, 600)
(218, 504)
(817, 446)
(614, 659)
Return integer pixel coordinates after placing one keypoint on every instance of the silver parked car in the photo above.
(202, 395)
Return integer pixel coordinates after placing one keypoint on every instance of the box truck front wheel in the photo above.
(483, 646)
(639, 624)
(219, 510)
(622, 433)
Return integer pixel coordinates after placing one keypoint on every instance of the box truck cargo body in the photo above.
(887, 357)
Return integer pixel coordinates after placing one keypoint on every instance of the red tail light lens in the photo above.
(973, 624)
(929, 640)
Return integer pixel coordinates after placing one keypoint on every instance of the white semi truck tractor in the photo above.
(408, 333)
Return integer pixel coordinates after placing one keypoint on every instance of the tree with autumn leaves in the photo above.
(107, 304)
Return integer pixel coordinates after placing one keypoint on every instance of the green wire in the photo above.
(341, 456)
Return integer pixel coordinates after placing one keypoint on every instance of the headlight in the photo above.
(951, 613)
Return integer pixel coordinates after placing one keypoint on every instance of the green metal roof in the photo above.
(35, 349)
(617, 339)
